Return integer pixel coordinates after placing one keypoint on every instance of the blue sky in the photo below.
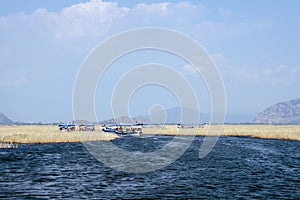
(255, 45)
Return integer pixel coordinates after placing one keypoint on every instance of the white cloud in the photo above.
(46, 46)
(189, 70)
(14, 83)
(225, 12)
(222, 30)
(218, 58)
(91, 19)
(157, 8)
(96, 19)
(3, 22)
(3, 52)
(295, 70)
(280, 74)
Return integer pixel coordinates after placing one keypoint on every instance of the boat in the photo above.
(86, 127)
(109, 129)
(66, 127)
(123, 130)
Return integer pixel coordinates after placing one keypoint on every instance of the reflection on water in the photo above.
(236, 168)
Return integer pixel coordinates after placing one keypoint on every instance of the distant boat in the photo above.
(109, 129)
(86, 127)
(67, 127)
(124, 130)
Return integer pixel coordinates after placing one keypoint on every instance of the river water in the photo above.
(237, 168)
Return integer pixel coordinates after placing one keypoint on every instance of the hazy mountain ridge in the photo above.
(126, 120)
(4, 120)
(287, 112)
(173, 116)
(169, 116)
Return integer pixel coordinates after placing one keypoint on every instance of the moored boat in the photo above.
(124, 130)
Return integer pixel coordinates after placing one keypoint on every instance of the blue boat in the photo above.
(120, 130)
(109, 129)
(67, 127)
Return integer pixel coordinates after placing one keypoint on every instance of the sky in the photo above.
(254, 44)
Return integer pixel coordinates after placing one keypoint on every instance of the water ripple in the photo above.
(244, 168)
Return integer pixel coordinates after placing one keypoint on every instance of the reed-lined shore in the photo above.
(287, 132)
(31, 134)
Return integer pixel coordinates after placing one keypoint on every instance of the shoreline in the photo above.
(37, 134)
(283, 132)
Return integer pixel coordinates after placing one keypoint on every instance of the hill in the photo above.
(4, 120)
(173, 116)
(126, 120)
(287, 112)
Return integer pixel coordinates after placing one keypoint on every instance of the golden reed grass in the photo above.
(12, 134)
(289, 132)
(48, 134)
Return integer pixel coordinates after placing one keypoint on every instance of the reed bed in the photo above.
(48, 134)
(289, 132)
(12, 135)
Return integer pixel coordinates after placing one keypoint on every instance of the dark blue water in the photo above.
(238, 167)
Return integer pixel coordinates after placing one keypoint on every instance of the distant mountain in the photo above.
(4, 120)
(287, 112)
(126, 120)
(173, 116)
(239, 118)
